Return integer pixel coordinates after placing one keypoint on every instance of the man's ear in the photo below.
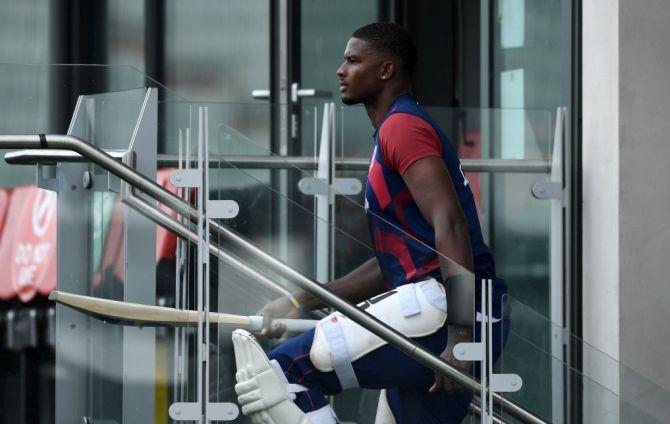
(387, 70)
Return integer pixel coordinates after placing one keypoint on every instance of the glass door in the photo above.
(307, 40)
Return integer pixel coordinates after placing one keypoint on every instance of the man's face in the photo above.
(359, 74)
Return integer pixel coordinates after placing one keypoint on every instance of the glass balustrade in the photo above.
(265, 197)
(585, 383)
(99, 365)
(39, 98)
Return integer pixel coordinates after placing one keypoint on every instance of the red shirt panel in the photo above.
(405, 138)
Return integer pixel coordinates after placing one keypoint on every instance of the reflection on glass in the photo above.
(224, 67)
(525, 76)
(535, 351)
(324, 31)
(42, 98)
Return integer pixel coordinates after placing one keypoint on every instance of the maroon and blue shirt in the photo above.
(404, 242)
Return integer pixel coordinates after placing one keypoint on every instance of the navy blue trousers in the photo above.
(407, 380)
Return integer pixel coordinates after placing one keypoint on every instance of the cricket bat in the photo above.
(126, 313)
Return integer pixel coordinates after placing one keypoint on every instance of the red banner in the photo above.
(28, 241)
(28, 245)
(166, 242)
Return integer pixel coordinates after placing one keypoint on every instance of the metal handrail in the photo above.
(32, 157)
(171, 224)
(165, 197)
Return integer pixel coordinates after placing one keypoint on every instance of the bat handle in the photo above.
(292, 325)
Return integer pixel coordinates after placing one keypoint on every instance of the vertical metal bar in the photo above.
(187, 265)
(573, 177)
(485, 111)
(200, 267)
(317, 260)
(322, 214)
(179, 257)
(484, 52)
(489, 346)
(205, 253)
(283, 106)
(483, 373)
(571, 248)
(557, 280)
(331, 194)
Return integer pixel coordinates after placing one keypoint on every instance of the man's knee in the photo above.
(415, 310)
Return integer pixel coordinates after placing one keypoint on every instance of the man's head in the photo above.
(379, 56)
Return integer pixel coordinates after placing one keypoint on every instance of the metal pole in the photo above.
(202, 349)
(299, 163)
(121, 170)
(476, 409)
(351, 311)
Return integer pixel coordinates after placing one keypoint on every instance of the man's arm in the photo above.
(360, 284)
(432, 188)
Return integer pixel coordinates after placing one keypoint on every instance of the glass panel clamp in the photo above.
(191, 411)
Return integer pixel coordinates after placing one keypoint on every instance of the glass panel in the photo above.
(217, 51)
(534, 355)
(125, 35)
(260, 197)
(104, 112)
(25, 31)
(42, 98)
(262, 193)
(95, 355)
(325, 28)
(354, 140)
(176, 281)
(524, 75)
(243, 130)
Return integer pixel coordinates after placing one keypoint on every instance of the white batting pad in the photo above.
(415, 310)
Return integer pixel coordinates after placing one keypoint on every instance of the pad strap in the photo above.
(338, 349)
(409, 304)
(435, 295)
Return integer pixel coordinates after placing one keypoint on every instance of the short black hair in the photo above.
(390, 38)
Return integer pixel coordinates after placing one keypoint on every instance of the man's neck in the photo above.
(378, 107)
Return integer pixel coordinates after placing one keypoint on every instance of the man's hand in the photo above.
(457, 334)
(280, 308)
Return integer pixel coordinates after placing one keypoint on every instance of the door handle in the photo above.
(261, 94)
(297, 92)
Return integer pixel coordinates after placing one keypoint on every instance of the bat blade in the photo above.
(125, 313)
(135, 314)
